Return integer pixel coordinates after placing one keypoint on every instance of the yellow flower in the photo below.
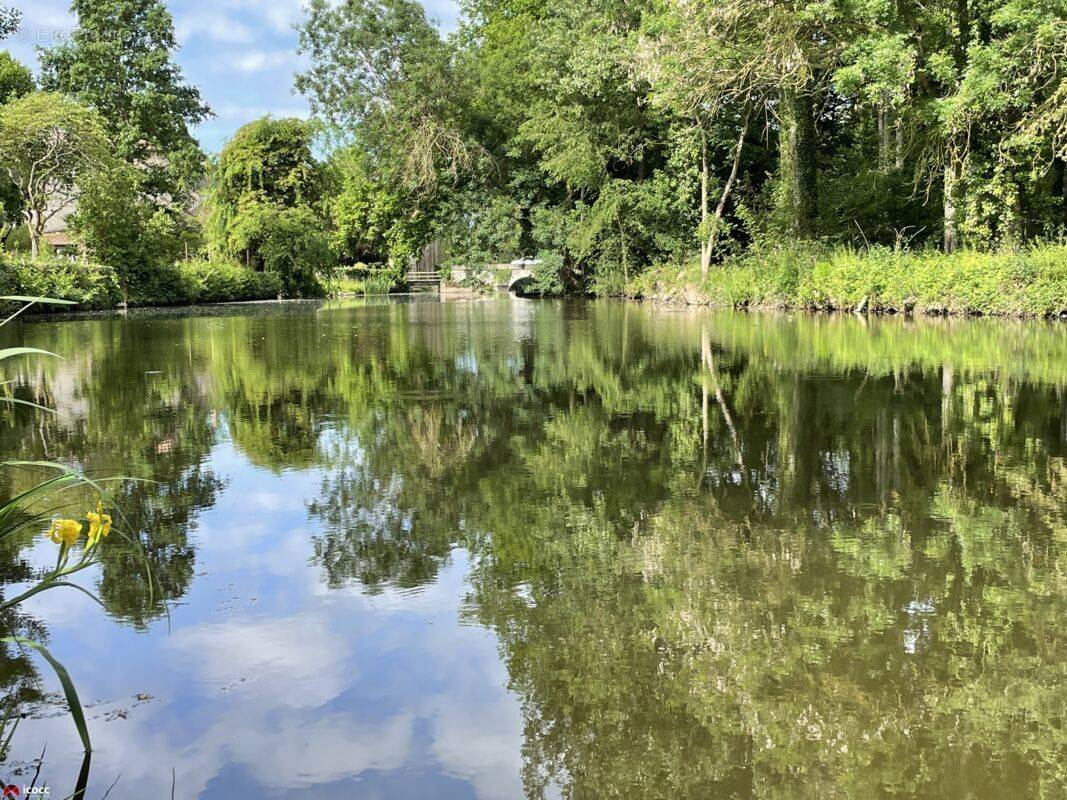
(65, 531)
(99, 524)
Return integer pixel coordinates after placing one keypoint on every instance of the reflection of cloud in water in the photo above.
(297, 658)
(391, 691)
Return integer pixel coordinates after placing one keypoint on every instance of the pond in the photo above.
(505, 548)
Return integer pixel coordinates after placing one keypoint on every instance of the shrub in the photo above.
(290, 242)
(225, 282)
(548, 274)
(90, 285)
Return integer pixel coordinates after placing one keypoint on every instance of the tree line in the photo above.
(606, 138)
(610, 136)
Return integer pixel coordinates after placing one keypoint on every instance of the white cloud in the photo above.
(215, 25)
(260, 60)
(240, 114)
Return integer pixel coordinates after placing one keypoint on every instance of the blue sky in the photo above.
(240, 53)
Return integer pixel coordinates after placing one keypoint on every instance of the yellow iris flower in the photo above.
(99, 524)
(65, 531)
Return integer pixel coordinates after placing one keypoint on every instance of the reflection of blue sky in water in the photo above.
(271, 683)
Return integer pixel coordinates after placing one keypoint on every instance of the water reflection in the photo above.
(488, 549)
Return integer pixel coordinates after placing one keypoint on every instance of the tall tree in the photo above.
(120, 61)
(265, 203)
(15, 81)
(50, 145)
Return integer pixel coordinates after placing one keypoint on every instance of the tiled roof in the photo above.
(60, 239)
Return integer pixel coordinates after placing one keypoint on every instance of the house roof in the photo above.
(60, 239)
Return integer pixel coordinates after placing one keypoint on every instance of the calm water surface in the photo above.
(506, 549)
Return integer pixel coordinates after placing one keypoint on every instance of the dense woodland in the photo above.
(611, 136)
(790, 152)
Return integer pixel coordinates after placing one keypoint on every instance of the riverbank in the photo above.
(1029, 283)
(96, 287)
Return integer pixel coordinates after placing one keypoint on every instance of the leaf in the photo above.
(27, 299)
(11, 352)
(68, 686)
(18, 402)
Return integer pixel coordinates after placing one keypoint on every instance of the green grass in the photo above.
(1031, 283)
(364, 282)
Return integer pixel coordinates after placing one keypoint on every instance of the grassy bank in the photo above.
(1031, 283)
(95, 286)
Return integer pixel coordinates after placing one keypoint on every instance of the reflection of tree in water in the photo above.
(871, 602)
(389, 514)
(128, 403)
(724, 556)
(159, 514)
(761, 581)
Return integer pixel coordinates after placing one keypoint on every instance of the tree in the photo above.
(267, 161)
(289, 241)
(371, 220)
(384, 80)
(119, 61)
(266, 198)
(9, 21)
(119, 227)
(626, 135)
(49, 145)
(16, 80)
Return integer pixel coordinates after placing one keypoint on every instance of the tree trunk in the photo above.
(705, 250)
(798, 167)
(720, 208)
(34, 226)
(950, 204)
(1059, 190)
(883, 138)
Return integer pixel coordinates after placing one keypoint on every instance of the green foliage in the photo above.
(9, 21)
(50, 145)
(287, 242)
(490, 233)
(119, 61)
(90, 285)
(628, 135)
(119, 227)
(379, 282)
(265, 201)
(267, 161)
(365, 279)
(16, 80)
(548, 274)
(224, 282)
(370, 219)
(1028, 283)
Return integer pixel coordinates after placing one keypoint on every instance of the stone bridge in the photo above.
(505, 277)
